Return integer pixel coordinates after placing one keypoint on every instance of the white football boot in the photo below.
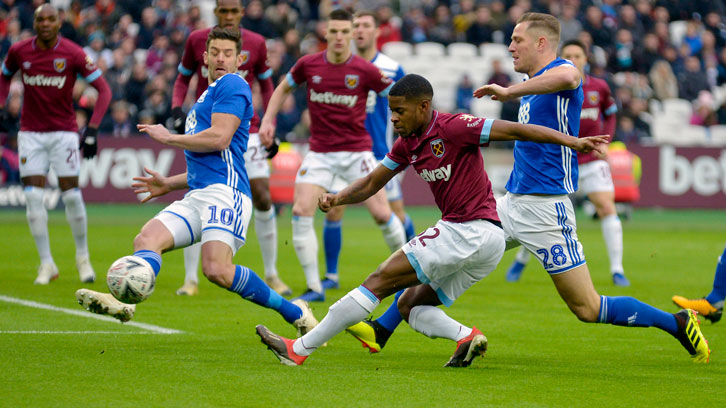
(85, 270)
(105, 303)
(46, 273)
(307, 321)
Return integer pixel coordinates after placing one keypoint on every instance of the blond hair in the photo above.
(544, 24)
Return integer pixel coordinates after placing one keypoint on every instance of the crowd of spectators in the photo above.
(138, 44)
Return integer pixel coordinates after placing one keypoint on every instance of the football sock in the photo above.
(391, 318)
(249, 286)
(332, 242)
(612, 232)
(306, 248)
(409, 228)
(191, 262)
(38, 222)
(393, 233)
(628, 311)
(350, 309)
(434, 322)
(718, 293)
(76, 216)
(152, 258)
(266, 229)
(522, 256)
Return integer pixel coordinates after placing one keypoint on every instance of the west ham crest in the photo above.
(59, 64)
(437, 147)
(351, 81)
(245, 56)
(593, 97)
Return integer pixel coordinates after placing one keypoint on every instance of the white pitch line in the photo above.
(30, 303)
(69, 332)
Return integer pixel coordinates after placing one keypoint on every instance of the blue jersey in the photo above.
(541, 168)
(378, 117)
(228, 94)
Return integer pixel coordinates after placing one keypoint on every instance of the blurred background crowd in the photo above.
(648, 51)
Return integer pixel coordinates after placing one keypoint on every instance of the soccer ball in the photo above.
(131, 279)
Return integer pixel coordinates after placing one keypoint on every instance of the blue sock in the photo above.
(248, 285)
(332, 242)
(408, 227)
(392, 317)
(152, 258)
(628, 311)
(718, 293)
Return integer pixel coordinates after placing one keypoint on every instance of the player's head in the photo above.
(229, 13)
(340, 31)
(534, 40)
(575, 51)
(410, 102)
(365, 30)
(46, 22)
(223, 52)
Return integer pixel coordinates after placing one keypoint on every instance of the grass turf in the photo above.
(539, 354)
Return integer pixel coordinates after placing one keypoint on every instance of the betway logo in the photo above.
(42, 80)
(333, 99)
(13, 196)
(119, 166)
(590, 113)
(706, 174)
(442, 173)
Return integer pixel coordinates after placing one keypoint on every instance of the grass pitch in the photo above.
(539, 354)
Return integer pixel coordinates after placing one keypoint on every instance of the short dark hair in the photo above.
(340, 14)
(412, 86)
(232, 34)
(367, 13)
(576, 43)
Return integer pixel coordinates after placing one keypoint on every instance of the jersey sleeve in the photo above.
(188, 65)
(377, 80)
(396, 159)
(233, 96)
(262, 68)
(10, 65)
(297, 76)
(85, 67)
(607, 103)
(400, 73)
(469, 130)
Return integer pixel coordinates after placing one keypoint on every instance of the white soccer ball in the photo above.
(131, 279)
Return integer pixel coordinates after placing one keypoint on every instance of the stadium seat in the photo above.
(462, 50)
(655, 106)
(717, 136)
(430, 49)
(672, 131)
(398, 50)
(445, 98)
(492, 51)
(486, 108)
(678, 108)
(677, 30)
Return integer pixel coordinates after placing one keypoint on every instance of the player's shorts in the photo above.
(452, 256)
(595, 177)
(214, 213)
(41, 151)
(393, 188)
(256, 158)
(334, 171)
(545, 225)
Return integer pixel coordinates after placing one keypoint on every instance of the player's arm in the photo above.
(560, 78)
(267, 126)
(359, 190)
(186, 69)
(505, 130)
(216, 138)
(157, 185)
(9, 67)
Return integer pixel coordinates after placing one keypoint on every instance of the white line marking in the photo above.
(30, 303)
(69, 332)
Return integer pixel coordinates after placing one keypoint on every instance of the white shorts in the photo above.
(452, 256)
(256, 159)
(595, 177)
(335, 170)
(40, 151)
(545, 225)
(214, 213)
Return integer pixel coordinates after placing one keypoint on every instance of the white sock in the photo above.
(522, 256)
(266, 229)
(191, 262)
(393, 233)
(38, 222)
(306, 247)
(350, 309)
(612, 231)
(76, 216)
(434, 322)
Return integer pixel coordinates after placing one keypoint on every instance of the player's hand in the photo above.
(155, 185)
(179, 119)
(4, 119)
(267, 134)
(89, 145)
(273, 148)
(156, 132)
(326, 202)
(498, 93)
(591, 143)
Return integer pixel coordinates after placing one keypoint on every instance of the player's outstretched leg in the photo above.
(711, 306)
(191, 265)
(332, 243)
(374, 334)
(520, 262)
